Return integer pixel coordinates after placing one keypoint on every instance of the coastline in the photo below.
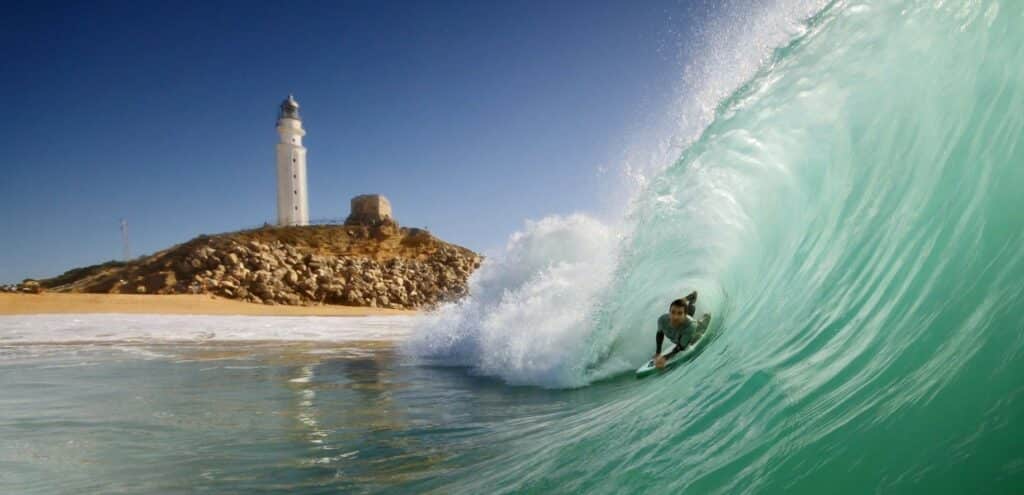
(171, 304)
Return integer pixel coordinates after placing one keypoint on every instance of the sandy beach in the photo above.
(57, 303)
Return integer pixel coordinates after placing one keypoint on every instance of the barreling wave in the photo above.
(852, 216)
(551, 310)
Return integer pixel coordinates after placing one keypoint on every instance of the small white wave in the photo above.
(119, 328)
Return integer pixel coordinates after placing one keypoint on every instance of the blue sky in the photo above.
(470, 116)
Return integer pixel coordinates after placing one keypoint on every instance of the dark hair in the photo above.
(678, 303)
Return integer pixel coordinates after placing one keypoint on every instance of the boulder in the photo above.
(30, 286)
(160, 282)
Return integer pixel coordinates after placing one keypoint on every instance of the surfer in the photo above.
(678, 325)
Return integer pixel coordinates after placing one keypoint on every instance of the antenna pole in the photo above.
(126, 250)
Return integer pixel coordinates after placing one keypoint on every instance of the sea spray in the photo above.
(527, 318)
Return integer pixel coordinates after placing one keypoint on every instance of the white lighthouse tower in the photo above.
(292, 202)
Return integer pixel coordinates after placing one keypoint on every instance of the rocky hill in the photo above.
(380, 265)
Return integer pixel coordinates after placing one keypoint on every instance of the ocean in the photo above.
(846, 198)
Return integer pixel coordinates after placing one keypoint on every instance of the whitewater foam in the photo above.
(115, 328)
(528, 312)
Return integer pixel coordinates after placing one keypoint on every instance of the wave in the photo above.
(845, 187)
(851, 215)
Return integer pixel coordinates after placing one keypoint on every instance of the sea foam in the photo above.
(58, 329)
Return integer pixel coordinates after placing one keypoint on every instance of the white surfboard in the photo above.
(649, 367)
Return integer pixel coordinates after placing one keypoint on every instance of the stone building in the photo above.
(370, 209)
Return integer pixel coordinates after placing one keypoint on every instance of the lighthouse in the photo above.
(292, 201)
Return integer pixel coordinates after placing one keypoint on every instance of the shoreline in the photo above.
(170, 304)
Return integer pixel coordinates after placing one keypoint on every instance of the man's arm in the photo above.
(683, 342)
(659, 339)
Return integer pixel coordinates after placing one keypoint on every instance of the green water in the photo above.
(852, 215)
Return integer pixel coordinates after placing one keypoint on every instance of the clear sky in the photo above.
(470, 116)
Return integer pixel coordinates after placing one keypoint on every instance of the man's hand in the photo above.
(659, 362)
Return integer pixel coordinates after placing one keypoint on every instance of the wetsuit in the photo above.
(681, 336)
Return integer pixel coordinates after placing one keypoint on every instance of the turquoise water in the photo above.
(851, 215)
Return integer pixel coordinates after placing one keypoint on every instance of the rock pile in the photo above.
(29, 286)
(279, 274)
(377, 266)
